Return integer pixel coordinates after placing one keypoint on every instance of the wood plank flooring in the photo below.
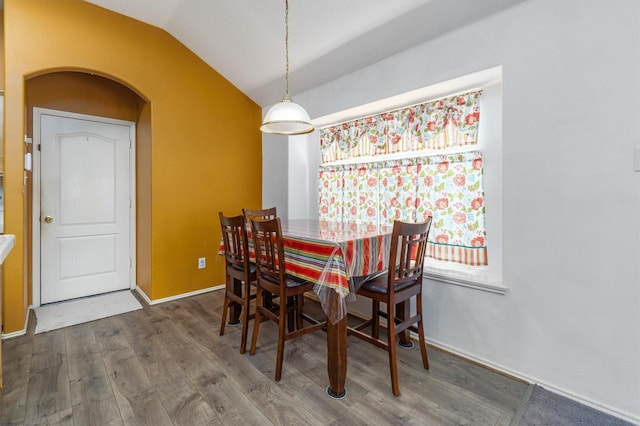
(167, 365)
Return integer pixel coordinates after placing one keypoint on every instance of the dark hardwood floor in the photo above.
(166, 364)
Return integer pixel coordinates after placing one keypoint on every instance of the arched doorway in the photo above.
(85, 94)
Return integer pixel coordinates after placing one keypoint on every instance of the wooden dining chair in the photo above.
(240, 273)
(398, 285)
(268, 213)
(272, 279)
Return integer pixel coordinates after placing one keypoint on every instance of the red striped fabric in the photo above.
(330, 253)
(472, 256)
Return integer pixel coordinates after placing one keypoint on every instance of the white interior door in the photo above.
(84, 207)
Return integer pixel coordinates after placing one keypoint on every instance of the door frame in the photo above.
(35, 219)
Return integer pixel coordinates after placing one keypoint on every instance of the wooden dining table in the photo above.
(337, 257)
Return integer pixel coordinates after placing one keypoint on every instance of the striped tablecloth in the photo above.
(331, 254)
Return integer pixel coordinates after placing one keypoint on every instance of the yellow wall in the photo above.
(198, 125)
(2, 50)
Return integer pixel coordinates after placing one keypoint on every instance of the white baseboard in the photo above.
(137, 289)
(529, 379)
(593, 404)
(178, 296)
(524, 377)
(20, 332)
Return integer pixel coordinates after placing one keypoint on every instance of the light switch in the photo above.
(636, 161)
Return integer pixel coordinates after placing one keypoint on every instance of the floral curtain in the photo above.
(440, 124)
(447, 187)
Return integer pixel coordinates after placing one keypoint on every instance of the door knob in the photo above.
(48, 219)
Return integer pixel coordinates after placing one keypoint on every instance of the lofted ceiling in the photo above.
(244, 40)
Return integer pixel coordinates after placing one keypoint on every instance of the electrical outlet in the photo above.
(202, 262)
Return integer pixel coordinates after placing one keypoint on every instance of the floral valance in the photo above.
(435, 125)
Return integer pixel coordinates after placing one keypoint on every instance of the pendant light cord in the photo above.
(286, 117)
(286, 45)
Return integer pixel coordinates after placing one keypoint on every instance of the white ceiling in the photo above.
(244, 39)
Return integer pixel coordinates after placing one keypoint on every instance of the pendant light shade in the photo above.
(287, 117)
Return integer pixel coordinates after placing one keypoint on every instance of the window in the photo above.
(447, 187)
(364, 187)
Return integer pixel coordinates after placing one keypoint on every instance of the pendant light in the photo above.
(287, 117)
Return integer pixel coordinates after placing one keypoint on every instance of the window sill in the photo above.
(479, 280)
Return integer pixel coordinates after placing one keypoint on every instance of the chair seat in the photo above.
(252, 268)
(380, 285)
(291, 282)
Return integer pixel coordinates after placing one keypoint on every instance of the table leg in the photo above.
(236, 308)
(403, 311)
(337, 358)
(267, 300)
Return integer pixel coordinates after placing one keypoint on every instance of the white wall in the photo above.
(289, 180)
(275, 173)
(571, 200)
(304, 160)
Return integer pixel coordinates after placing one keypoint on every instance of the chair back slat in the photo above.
(269, 249)
(234, 236)
(408, 248)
